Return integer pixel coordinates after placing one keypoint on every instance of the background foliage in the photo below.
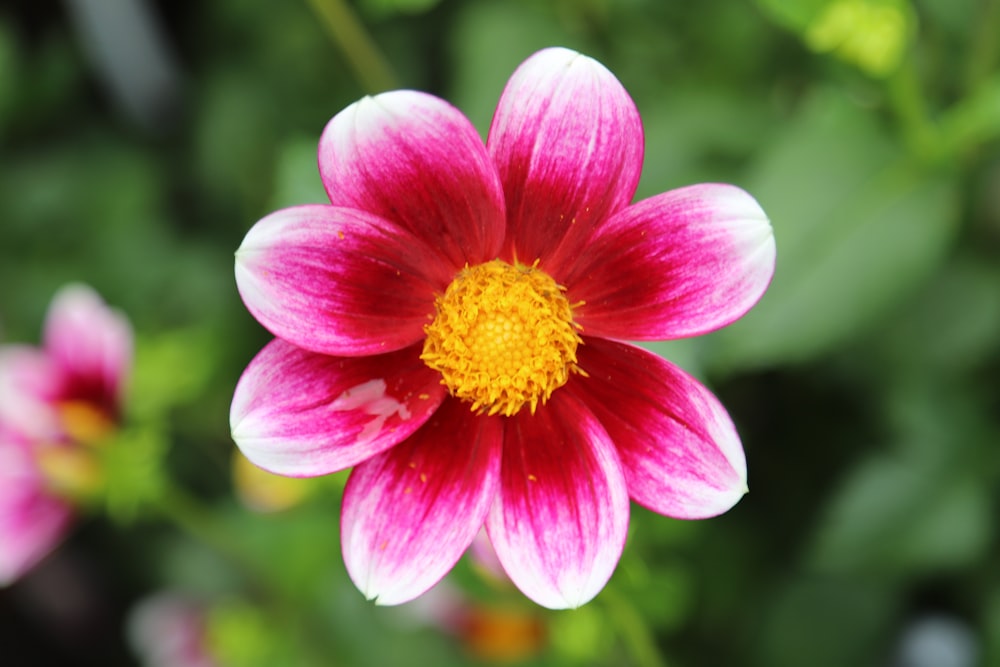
(864, 385)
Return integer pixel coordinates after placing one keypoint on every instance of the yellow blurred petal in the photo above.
(263, 491)
(71, 472)
(502, 634)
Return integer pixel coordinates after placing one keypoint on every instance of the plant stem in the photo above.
(907, 98)
(632, 629)
(371, 68)
(188, 514)
(984, 46)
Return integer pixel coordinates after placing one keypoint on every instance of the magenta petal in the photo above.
(415, 160)
(411, 512)
(681, 454)
(299, 413)
(567, 141)
(338, 281)
(92, 346)
(32, 522)
(560, 520)
(30, 383)
(682, 263)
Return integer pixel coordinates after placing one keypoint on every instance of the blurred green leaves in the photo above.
(922, 505)
(870, 34)
(878, 340)
(858, 227)
(171, 369)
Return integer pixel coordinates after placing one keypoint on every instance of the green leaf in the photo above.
(949, 328)
(894, 516)
(825, 622)
(857, 230)
(923, 507)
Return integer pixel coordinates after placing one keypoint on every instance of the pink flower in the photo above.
(54, 403)
(169, 629)
(451, 326)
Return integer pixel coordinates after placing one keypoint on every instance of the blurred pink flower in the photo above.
(170, 629)
(54, 402)
(451, 326)
(490, 632)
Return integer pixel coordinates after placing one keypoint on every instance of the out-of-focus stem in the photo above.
(371, 68)
(194, 519)
(632, 629)
(984, 46)
(906, 96)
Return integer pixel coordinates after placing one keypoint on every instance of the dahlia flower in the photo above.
(452, 324)
(56, 403)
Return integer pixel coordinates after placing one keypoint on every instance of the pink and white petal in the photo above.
(410, 512)
(302, 414)
(92, 344)
(30, 384)
(560, 520)
(682, 263)
(415, 160)
(568, 143)
(680, 451)
(338, 281)
(32, 522)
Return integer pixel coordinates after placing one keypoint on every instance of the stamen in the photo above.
(502, 337)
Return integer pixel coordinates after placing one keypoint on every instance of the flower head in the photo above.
(56, 402)
(451, 326)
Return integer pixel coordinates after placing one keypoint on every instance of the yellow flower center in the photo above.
(503, 336)
(86, 423)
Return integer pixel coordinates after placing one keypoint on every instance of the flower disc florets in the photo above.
(503, 336)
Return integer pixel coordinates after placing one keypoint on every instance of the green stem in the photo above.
(194, 519)
(984, 49)
(907, 99)
(632, 629)
(370, 67)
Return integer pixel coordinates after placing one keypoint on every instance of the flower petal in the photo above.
(32, 523)
(30, 383)
(338, 281)
(682, 263)
(91, 344)
(411, 512)
(560, 520)
(568, 143)
(302, 414)
(679, 448)
(415, 160)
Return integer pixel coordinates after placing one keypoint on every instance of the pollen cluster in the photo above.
(502, 337)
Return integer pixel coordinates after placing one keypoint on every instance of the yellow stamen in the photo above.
(503, 336)
(86, 423)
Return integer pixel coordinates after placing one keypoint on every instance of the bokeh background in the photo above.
(140, 140)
